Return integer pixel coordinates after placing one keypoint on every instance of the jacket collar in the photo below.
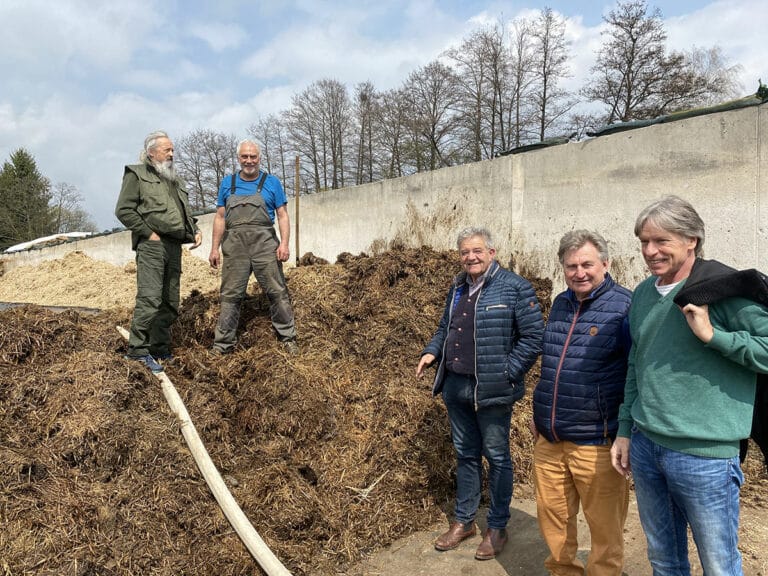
(461, 278)
(607, 283)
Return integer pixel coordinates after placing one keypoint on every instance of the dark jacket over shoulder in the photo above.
(508, 333)
(584, 365)
(711, 281)
(149, 203)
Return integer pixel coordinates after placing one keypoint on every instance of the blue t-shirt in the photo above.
(272, 192)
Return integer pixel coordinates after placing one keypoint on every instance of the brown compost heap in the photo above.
(331, 454)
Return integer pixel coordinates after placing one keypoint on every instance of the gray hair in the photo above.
(575, 239)
(247, 141)
(673, 214)
(150, 142)
(471, 232)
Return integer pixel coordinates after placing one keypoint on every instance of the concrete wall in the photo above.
(528, 200)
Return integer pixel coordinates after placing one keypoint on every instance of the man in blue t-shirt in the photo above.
(247, 205)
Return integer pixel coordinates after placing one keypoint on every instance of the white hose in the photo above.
(245, 530)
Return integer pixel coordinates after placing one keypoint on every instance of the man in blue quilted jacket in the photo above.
(489, 336)
(575, 411)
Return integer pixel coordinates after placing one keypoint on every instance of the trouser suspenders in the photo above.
(258, 188)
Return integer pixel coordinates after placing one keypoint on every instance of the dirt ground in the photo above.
(525, 553)
(93, 481)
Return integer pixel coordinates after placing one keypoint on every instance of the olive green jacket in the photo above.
(149, 203)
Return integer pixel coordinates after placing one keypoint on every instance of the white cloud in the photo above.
(84, 82)
(47, 35)
(220, 37)
(357, 44)
(169, 79)
(737, 26)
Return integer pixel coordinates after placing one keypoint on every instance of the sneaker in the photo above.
(148, 361)
(291, 347)
(166, 359)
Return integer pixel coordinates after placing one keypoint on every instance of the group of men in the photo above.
(154, 206)
(659, 383)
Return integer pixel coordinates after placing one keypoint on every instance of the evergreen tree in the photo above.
(24, 197)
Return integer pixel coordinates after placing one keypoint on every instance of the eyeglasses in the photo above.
(249, 156)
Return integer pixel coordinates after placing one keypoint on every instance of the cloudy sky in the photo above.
(83, 82)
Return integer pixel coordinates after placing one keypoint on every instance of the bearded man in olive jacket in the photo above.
(154, 206)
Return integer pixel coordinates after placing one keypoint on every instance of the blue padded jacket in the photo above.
(508, 334)
(584, 365)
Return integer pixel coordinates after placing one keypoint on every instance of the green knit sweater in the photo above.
(686, 395)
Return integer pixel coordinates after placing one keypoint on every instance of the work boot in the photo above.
(492, 544)
(291, 347)
(455, 535)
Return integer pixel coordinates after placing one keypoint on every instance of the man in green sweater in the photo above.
(687, 401)
(154, 206)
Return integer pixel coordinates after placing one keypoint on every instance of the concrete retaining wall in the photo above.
(528, 200)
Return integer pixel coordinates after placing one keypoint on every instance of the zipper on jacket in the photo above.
(488, 278)
(474, 340)
(557, 373)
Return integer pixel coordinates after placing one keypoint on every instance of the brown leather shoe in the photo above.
(492, 544)
(454, 536)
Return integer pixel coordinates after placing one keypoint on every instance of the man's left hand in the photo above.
(198, 240)
(698, 320)
(283, 253)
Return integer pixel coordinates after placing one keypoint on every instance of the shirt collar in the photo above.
(475, 285)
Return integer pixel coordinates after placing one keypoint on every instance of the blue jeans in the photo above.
(475, 434)
(675, 490)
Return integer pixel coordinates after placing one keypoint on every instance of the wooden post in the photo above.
(297, 188)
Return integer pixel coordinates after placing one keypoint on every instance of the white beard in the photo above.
(166, 169)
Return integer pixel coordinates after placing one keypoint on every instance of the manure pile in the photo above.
(78, 280)
(331, 454)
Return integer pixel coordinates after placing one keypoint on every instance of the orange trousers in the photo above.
(565, 475)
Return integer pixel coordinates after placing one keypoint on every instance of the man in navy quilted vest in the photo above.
(575, 411)
(489, 336)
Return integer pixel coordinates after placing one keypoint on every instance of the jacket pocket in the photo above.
(151, 204)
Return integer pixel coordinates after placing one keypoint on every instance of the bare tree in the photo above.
(300, 120)
(520, 109)
(204, 158)
(69, 215)
(550, 60)
(580, 124)
(635, 77)
(392, 114)
(472, 75)
(319, 122)
(433, 99)
(712, 78)
(271, 133)
(498, 95)
(482, 63)
(337, 118)
(629, 73)
(365, 116)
